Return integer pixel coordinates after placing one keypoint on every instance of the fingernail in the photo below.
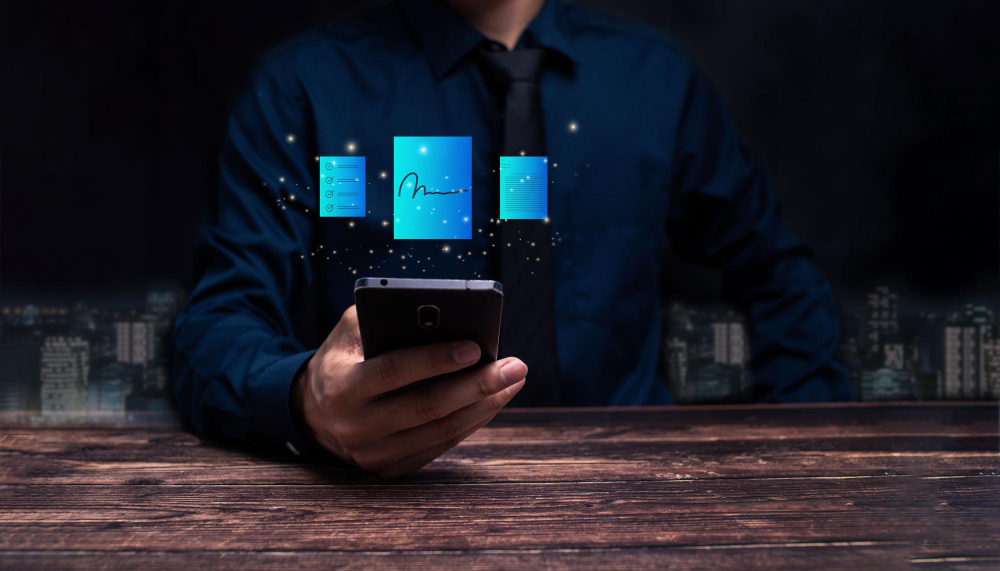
(466, 352)
(515, 388)
(513, 372)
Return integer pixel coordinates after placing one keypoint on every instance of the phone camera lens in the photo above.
(428, 316)
(384, 282)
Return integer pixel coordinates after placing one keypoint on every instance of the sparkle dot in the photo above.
(573, 127)
(383, 174)
(350, 146)
(291, 197)
(423, 149)
(281, 179)
(290, 138)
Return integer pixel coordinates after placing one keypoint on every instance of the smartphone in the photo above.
(396, 313)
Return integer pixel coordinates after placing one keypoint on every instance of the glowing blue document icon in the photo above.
(524, 183)
(341, 187)
(432, 187)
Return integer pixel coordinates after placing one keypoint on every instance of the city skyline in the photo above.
(77, 362)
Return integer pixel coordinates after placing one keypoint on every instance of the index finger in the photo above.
(396, 369)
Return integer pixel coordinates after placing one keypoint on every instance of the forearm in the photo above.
(232, 376)
(794, 331)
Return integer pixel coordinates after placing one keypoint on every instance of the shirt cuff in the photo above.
(270, 408)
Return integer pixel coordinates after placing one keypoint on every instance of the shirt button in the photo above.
(292, 447)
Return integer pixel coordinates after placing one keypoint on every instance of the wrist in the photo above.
(298, 397)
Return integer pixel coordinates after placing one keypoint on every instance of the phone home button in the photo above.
(428, 316)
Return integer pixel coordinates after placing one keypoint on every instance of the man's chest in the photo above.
(606, 184)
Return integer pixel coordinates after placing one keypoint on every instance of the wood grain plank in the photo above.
(495, 516)
(528, 445)
(858, 555)
(468, 463)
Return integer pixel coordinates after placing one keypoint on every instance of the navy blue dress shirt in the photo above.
(640, 151)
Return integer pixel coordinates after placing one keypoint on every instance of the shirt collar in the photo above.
(446, 38)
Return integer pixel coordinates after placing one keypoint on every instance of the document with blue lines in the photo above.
(524, 188)
(342, 187)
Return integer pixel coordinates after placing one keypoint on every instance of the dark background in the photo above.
(877, 119)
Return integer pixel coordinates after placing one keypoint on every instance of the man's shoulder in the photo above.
(587, 24)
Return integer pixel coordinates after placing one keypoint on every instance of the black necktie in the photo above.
(526, 269)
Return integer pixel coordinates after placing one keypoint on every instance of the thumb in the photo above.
(346, 336)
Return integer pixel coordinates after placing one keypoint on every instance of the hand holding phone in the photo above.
(355, 408)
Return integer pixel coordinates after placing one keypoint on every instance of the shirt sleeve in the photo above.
(725, 214)
(235, 351)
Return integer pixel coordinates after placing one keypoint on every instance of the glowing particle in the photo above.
(573, 127)
(290, 138)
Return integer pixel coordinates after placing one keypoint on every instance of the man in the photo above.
(639, 149)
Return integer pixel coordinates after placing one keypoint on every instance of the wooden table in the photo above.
(845, 486)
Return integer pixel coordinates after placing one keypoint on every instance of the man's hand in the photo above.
(342, 399)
